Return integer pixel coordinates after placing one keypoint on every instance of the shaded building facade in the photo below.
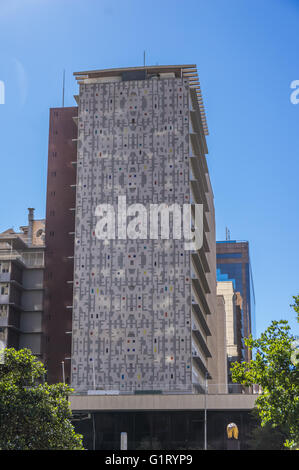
(59, 241)
(21, 286)
(162, 430)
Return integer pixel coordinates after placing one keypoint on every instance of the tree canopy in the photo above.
(275, 370)
(33, 414)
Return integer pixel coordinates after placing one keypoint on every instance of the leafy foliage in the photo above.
(33, 415)
(296, 305)
(278, 376)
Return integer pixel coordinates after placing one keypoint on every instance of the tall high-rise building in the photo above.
(233, 264)
(144, 314)
(59, 251)
(132, 312)
(21, 285)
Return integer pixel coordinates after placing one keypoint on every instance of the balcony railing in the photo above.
(4, 277)
(31, 259)
(197, 263)
(149, 389)
(201, 295)
(201, 341)
(34, 259)
(200, 318)
(11, 255)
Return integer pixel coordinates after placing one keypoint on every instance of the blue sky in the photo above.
(246, 52)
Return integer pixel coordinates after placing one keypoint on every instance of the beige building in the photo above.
(21, 285)
(233, 324)
(221, 354)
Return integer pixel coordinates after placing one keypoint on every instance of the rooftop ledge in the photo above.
(177, 69)
(187, 71)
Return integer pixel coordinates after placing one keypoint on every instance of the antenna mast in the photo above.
(63, 87)
(227, 234)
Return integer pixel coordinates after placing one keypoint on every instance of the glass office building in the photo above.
(233, 264)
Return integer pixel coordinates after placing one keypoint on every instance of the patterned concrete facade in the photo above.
(132, 324)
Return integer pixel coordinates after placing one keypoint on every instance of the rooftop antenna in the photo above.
(227, 234)
(143, 58)
(63, 88)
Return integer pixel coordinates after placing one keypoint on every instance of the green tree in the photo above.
(275, 370)
(33, 414)
(296, 306)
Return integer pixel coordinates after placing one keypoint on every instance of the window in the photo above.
(4, 267)
(4, 289)
(3, 311)
(229, 255)
(39, 233)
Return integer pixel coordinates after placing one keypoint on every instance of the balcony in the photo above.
(34, 307)
(28, 259)
(200, 272)
(198, 151)
(4, 299)
(203, 259)
(3, 338)
(199, 388)
(3, 320)
(197, 123)
(11, 255)
(200, 318)
(34, 259)
(198, 172)
(201, 295)
(4, 277)
(4, 315)
(201, 341)
(199, 363)
(206, 227)
(199, 194)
